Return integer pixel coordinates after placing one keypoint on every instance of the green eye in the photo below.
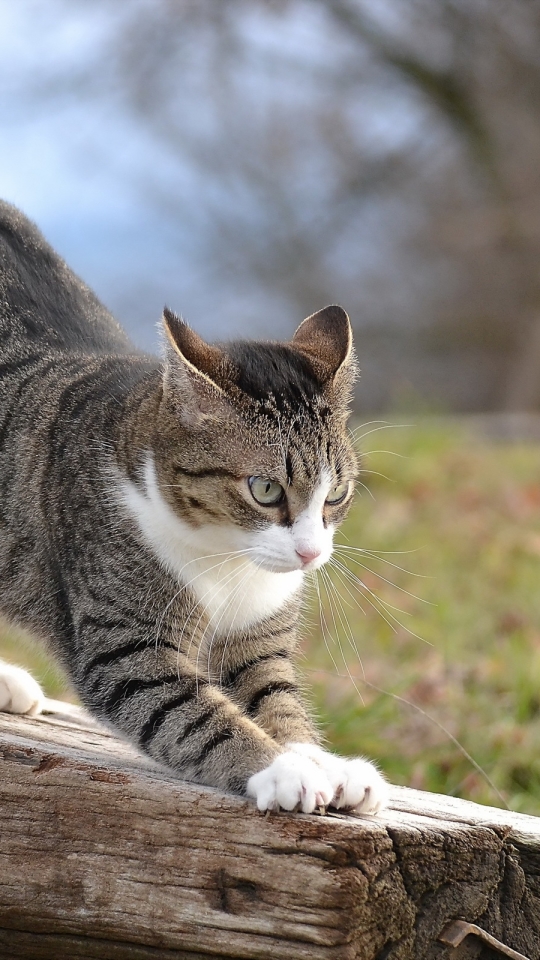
(339, 493)
(266, 492)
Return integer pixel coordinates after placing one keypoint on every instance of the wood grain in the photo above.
(105, 855)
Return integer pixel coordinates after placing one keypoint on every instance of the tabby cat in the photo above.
(157, 520)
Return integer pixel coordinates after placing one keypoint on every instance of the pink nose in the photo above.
(306, 554)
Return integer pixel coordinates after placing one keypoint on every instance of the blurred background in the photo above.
(249, 161)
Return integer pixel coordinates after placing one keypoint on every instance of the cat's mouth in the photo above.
(281, 565)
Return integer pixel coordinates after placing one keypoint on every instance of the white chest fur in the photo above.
(212, 561)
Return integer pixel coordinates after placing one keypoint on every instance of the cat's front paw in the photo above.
(356, 784)
(19, 692)
(291, 782)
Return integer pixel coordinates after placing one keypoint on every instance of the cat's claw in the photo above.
(356, 784)
(19, 692)
(290, 783)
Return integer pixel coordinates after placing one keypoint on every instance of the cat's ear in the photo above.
(193, 369)
(325, 338)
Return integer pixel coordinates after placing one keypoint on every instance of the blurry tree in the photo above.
(383, 154)
(477, 63)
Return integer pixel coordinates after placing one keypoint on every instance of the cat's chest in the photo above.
(237, 594)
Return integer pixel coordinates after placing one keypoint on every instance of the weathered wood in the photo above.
(104, 855)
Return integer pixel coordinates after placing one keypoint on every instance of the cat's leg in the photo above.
(258, 675)
(267, 690)
(19, 692)
(181, 720)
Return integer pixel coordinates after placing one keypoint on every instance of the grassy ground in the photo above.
(466, 654)
(462, 662)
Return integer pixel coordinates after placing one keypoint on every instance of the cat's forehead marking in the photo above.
(306, 456)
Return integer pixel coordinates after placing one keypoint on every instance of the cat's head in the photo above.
(252, 450)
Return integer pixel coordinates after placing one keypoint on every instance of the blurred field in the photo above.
(468, 652)
(464, 518)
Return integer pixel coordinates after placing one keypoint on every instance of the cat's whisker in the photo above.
(381, 553)
(376, 473)
(324, 577)
(391, 583)
(391, 453)
(369, 423)
(358, 483)
(328, 585)
(362, 586)
(373, 600)
(384, 426)
(343, 581)
(324, 628)
(427, 716)
(350, 636)
(343, 619)
(339, 547)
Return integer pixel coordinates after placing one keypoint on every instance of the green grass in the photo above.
(467, 652)
(464, 518)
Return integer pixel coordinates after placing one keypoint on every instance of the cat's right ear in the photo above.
(325, 338)
(193, 369)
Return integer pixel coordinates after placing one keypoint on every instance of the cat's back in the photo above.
(44, 306)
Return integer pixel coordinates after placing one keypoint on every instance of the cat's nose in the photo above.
(307, 554)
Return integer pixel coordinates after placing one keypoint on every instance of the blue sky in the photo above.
(75, 164)
(70, 167)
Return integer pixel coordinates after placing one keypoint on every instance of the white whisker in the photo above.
(328, 586)
(414, 706)
(373, 600)
(324, 628)
(391, 583)
(376, 473)
(360, 484)
(384, 426)
(373, 556)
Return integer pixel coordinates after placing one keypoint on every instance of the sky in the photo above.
(94, 177)
(69, 167)
(75, 164)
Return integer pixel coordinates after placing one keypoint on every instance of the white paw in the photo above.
(19, 692)
(356, 784)
(289, 782)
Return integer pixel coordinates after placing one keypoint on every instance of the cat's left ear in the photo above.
(325, 338)
(194, 370)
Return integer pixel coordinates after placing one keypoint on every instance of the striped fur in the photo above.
(123, 488)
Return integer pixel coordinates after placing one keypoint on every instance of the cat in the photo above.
(157, 520)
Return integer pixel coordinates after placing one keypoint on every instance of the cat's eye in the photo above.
(338, 493)
(269, 493)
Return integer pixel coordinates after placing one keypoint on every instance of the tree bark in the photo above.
(523, 389)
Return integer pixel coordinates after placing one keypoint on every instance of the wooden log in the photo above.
(105, 855)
